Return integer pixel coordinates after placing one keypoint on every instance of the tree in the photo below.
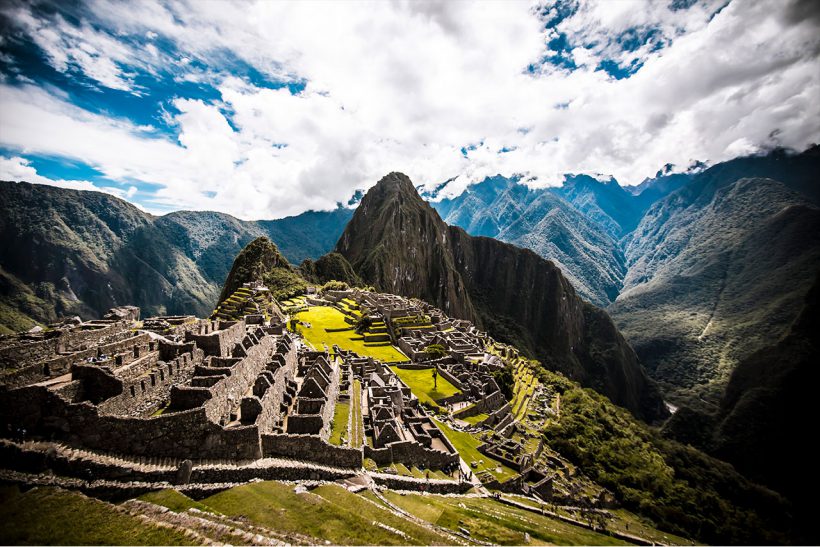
(434, 351)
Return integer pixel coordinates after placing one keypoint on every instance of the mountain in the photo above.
(543, 221)
(604, 202)
(261, 260)
(759, 425)
(719, 269)
(398, 243)
(67, 252)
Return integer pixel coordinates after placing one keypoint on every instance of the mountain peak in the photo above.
(395, 182)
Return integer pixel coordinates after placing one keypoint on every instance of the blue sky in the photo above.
(267, 109)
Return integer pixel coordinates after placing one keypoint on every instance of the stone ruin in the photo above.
(177, 399)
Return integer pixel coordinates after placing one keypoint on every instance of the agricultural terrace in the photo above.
(421, 384)
(467, 445)
(487, 520)
(325, 325)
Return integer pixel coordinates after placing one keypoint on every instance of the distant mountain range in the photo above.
(698, 269)
(66, 252)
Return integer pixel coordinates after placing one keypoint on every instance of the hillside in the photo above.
(65, 252)
(398, 243)
(720, 269)
(543, 221)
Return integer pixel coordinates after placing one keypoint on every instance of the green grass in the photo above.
(321, 318)
(340, 417)
(478, 418)
(357, 425)
(467, 446)
(173, 500)
(329, 513)
(421, 383)
(496, 523)
(50, 516)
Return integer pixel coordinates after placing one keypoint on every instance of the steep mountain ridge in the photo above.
(542, 220)
(398, 243)
(65, 252)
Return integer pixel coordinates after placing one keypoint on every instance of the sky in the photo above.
(267, 109)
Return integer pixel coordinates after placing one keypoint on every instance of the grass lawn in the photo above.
(50, 516)
(173, 500)
(478, 418)
(340, 418)
(357, 424)
(467, 446)
(421, 383)
(329, 513)
(496, 523)
(321, 318)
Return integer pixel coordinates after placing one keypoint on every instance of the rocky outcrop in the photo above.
(398, 243)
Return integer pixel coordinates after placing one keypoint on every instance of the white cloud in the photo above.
(19, 169)
(405, 85)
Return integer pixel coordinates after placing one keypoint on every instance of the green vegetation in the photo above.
(328, 326)
(467, 445)
(50, 516)
(173, 500)
(340, 418)
(435, 351)
(494, 522)
(357, 424)
(505, 380)
(421, 383)
(261, 260)
(329, 513)
(677, 487)
(478, 418)
(334, 285)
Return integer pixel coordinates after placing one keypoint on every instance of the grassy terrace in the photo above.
(421, 383)
(467, 446)
(478, 418)
(328, 512)
(328, 326)
(357, 425)
(48, 516)
(493, 522)
(340, 417)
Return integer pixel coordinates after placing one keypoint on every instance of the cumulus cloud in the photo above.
(438, 90)
(19, 169)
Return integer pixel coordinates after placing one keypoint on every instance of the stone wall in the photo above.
(221, 342)
(152, 388)
(411, 453)
(487, 405)
(187, 434)
(310, 448)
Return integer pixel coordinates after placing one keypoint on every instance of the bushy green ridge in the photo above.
(66, 252)
(681, 489)
(49, 516)
(330, 267)
(260, 260)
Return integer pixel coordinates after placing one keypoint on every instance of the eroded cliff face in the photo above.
(399, 244)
